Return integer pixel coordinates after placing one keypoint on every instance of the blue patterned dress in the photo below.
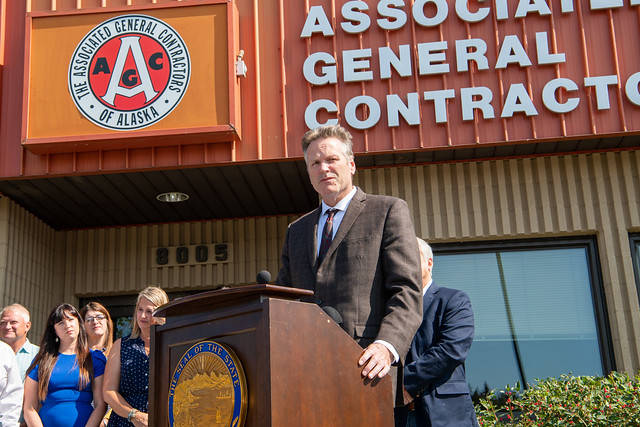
(134, 378)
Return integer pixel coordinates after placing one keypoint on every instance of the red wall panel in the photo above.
(274, 95)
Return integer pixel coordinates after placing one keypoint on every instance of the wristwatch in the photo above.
(132, 413)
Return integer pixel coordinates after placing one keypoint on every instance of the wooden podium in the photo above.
(300, 366)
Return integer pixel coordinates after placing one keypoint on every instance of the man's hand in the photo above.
(376, 361)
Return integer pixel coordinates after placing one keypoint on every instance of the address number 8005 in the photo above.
(191, 255)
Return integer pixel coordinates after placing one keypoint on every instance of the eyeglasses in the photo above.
(99, 318)
(4, 323)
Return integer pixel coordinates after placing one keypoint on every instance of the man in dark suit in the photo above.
(434, 374)
(361, 259)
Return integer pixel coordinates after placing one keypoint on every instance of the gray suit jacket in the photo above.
(370, 274)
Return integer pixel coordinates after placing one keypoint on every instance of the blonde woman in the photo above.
(126, 385)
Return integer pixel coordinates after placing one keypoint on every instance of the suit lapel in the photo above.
(313, 241)
(353, 211)
(429, 296)
(423, 335)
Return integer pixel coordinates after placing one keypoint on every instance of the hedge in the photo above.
(566, 401)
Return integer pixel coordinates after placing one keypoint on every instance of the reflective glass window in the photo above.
(538, 309)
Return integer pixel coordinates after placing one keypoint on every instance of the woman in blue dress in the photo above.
(126, 383)
(64, 382)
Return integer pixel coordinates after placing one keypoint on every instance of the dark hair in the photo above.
(50, 345)
(328, 131)
(96, 306)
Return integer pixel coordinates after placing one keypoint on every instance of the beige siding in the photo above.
(588, 194)
(117, 260)
(30, 264)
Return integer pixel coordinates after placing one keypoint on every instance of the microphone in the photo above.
(333, 313)
(263, 277)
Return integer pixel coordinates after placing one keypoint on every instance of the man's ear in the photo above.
(27, 326)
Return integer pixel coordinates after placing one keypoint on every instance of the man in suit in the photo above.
(434, 374)
(358, 253)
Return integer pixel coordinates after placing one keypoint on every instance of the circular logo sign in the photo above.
(129, 72)
(208, 388)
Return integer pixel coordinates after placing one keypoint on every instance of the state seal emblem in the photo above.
(129, 72)
(208, 387)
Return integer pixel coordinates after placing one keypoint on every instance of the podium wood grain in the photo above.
(300, 366)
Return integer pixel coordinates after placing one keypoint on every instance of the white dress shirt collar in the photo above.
(343, 204)
(426, 288)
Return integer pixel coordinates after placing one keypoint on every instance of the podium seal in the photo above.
(208, 387)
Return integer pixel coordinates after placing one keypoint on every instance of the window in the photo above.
(635, 256)
(538, 306)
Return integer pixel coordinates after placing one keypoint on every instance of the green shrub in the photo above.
(566, 401)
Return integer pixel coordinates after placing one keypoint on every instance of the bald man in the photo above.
(15, 323)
